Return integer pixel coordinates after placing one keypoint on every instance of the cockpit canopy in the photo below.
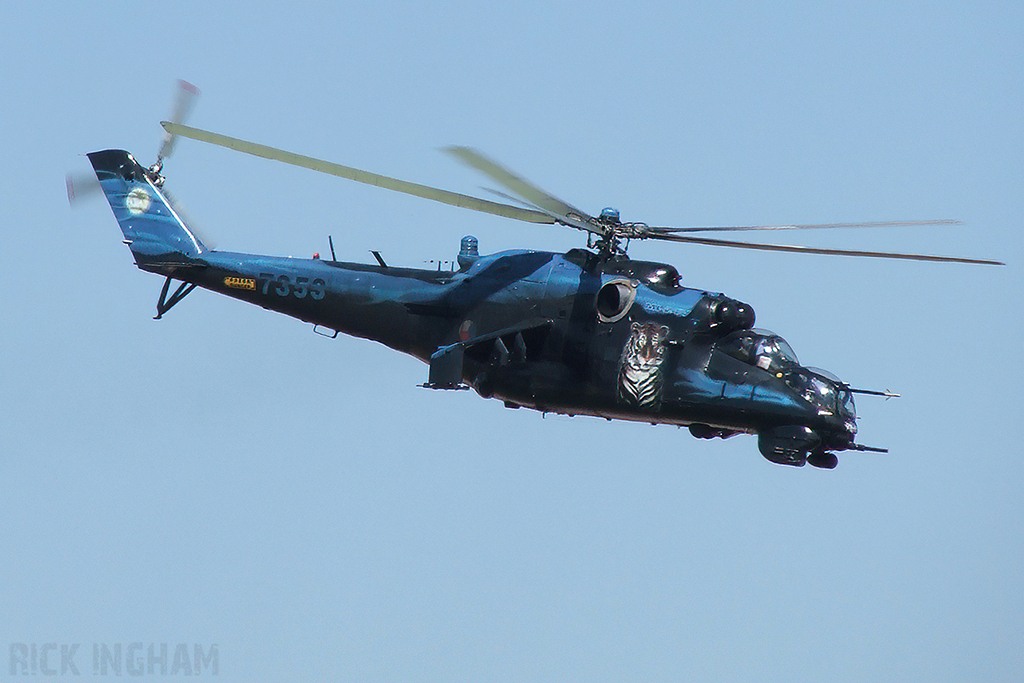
(824, 390)
(774, 355)
(761, 348)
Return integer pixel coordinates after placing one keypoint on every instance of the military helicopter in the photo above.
(585, 332)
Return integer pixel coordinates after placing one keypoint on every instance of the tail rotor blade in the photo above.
(184, 99)
(81, 186)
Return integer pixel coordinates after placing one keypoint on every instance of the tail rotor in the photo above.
(184, 99)
(81, 186)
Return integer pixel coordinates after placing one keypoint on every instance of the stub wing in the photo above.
(502, 347)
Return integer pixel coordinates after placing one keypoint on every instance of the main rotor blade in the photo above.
(415, 189)
(572, 222)
(553, 206)
(808, 226)
(816, 250)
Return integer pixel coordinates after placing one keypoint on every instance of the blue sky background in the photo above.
(225, 476)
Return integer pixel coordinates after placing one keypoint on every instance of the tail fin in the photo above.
(152, 228)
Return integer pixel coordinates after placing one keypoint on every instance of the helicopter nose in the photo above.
(843, 435)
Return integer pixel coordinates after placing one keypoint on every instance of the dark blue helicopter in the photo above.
(587, 332)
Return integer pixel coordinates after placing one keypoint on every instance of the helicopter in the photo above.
(586, 332)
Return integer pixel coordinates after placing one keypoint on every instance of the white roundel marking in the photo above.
(138, 200)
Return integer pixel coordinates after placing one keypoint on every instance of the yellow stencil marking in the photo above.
(240, 283)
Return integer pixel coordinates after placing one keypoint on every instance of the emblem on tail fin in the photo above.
(138, 201)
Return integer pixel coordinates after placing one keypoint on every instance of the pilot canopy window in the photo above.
(760, 348)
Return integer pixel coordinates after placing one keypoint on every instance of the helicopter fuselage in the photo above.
(563, 333)
(579, 333)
